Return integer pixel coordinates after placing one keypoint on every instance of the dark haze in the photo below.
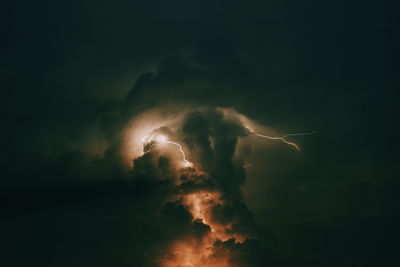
(75, 73)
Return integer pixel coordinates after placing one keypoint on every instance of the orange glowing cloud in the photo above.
(153, 132)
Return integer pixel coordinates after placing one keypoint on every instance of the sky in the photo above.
(89, 87)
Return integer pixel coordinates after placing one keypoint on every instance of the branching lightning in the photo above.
(163, 139)
(199, 192)
(282, 138)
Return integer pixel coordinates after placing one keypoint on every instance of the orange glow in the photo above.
(200, 204)
(160, 134)
(189, 254)
(201, 253)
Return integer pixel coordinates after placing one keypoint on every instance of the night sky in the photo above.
(78, 78)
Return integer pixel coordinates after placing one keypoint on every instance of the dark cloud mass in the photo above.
(90, 88)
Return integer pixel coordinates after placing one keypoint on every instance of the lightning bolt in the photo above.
(299, 134)
(163, 139)
(282, 138)
(186, 163)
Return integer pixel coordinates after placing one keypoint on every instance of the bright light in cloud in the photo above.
(201, 194)
(139, 129)
(162, 139)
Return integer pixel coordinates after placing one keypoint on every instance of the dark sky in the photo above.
(73, 73)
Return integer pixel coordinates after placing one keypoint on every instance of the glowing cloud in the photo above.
(162, 139)
(202, 194)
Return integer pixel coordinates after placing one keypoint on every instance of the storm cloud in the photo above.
(84, 81)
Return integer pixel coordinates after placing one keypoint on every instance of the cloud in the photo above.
(85, 158)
